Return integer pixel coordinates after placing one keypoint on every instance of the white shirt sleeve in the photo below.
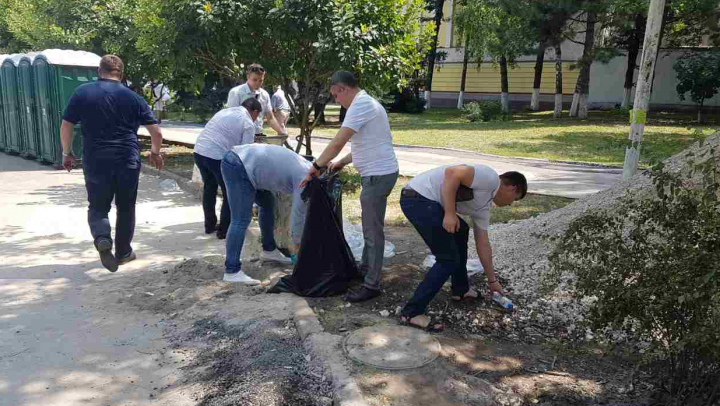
(248, 130)
(234, 97)
(360, 112)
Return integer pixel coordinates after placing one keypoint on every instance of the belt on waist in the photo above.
(409, 192)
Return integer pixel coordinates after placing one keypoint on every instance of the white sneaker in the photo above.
(240, 277)
(275, 256)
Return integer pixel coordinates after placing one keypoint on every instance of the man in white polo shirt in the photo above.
(372, 154)
(431, 202)
(253, 88)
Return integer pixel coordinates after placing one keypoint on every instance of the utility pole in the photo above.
(638, 116)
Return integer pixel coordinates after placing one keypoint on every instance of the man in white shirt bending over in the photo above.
(253, 88)
(372, 154)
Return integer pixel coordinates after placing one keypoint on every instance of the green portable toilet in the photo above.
(56, 74)
(2, 115)
(11, 103)
(28, 116)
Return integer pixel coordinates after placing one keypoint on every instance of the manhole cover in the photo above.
(392, 347)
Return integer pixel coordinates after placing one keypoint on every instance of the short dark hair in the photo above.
(255, 68)
(251, 105)
(513, 178)
(345, 78)
(112, 64)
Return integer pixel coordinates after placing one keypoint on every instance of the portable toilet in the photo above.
(2, 114)
(11, 103)
(56, 74)
(28, 110)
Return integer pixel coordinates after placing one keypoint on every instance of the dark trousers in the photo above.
(450, 252)
(212, 178)
(104, 185)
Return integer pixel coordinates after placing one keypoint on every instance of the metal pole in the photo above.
(638, 116)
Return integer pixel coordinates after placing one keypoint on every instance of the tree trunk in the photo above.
(439, 5)
(699, 118)
(633, 51)
(463, 79)
(666, 14)
(644, 83)
(558, 81)
(582, 89)
(504, 95)
(535, 102)
(343, 111)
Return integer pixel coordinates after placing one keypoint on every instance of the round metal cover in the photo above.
(392, 347)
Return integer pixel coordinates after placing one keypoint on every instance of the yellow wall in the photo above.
(487, 78)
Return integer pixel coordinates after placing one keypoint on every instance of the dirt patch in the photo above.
(254, 362)
(486, 351)
(235, 345)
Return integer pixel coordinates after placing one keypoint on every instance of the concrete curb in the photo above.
(326, 347)
(185, 184)
(514, 158)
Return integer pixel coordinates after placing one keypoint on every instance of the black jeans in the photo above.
(450, 252)
(103, 185)
(212, 178)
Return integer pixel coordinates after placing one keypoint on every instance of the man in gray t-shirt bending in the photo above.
(251, 173)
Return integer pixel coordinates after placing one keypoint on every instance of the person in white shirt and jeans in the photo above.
(228, 128)
(253, 89)
(372, 154)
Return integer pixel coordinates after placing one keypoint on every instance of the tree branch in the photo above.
(572, 40)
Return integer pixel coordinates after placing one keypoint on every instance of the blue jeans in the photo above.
(450, 252)
(241, 196)
(212, 178)
(117, 183)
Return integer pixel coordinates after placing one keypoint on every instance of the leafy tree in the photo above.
(300, 42)
(699, 74)
(490, 30)
(547, 21)
(436, 8)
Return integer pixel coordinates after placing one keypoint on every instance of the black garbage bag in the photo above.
(325, 264)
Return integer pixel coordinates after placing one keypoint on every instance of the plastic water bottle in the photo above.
(293, 259)
(502, 301)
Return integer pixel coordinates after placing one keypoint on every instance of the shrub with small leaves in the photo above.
(654, 267)
(488, 110)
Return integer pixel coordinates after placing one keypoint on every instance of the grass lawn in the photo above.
(530, 206)
(601, 138)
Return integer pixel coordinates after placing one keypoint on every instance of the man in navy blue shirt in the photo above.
(110, 115)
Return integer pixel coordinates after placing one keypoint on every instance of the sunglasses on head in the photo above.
(257, 69)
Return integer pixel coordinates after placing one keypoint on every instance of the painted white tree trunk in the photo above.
(574, 105)
(558, 105)
(626, 99)
(582, 106)
(505, 101)
(461, 100)
(643, 87)
(427, 98)
(535, 101)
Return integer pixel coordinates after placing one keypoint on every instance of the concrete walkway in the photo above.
(66, 338)
(544, 177)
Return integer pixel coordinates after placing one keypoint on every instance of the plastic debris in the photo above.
(354, 236)
(473, 265)
(168, 185)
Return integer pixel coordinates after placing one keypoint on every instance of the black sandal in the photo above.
(463, 297)
(432, 327)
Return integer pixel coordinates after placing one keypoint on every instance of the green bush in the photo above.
(351, 180)
(654, 267)
(488, 110)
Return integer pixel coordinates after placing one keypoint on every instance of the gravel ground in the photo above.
(521, 249)
(257, 362)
